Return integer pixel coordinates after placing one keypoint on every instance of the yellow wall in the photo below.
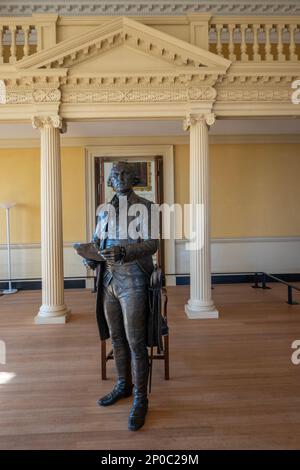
(255, 190)
(20, 182)
(73, 184)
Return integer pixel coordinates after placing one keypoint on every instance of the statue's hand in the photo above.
(89, 263)
(113, 254)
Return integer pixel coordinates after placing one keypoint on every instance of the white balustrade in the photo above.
(17, 41)
(255, 41)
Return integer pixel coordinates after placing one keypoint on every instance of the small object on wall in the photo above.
(7, 206)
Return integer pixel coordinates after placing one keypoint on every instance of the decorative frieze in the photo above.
(28, 96)
(138, 95)
(256, 85)
(257, 94)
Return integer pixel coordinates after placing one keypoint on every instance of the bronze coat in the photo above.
(140, 251)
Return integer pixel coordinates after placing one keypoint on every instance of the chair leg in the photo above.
(166, 356)
(103, 360)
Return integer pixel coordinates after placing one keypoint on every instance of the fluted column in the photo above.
(53, 308)
(200, 304)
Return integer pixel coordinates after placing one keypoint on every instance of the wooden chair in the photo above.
(159, 356)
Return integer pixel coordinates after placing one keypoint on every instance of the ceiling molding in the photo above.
(149, 8)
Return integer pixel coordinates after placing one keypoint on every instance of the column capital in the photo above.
(53, 120)
(193, 118)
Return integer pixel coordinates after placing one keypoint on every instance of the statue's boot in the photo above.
(123, 387)
(137, 414)
(140, 368)
(119, 391)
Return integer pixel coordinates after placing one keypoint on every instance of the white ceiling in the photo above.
(157, 128)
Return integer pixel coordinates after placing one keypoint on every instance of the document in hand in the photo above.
(89, 251)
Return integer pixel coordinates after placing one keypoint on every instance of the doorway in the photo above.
(164, 189)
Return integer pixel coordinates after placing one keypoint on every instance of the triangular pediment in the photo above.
(125, 45)
(123, 59)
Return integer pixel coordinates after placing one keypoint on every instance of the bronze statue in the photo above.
(125, 266)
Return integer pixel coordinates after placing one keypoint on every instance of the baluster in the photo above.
(244, 55)
(26, 30)
(292, 47)
(219, 29)
(280, 54)
(268, 31)
(231, 29)
(256, 55)
(38, 31)
(1, 45)
(13, 48)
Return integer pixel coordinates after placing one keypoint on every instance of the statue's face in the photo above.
(121, 178)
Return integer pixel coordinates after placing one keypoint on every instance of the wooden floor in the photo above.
(232, 385)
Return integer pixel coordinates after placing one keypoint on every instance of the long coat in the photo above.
(140, 250)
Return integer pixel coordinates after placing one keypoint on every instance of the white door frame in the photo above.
(132, 151)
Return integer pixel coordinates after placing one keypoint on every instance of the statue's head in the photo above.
(122, 177)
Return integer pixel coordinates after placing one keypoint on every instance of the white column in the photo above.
(53, 308)
(200, 304)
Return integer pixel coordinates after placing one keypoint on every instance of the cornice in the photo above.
(150, 8)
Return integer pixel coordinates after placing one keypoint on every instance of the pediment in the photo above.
(123, 59)
(125, 45)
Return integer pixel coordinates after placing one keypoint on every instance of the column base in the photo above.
(42, 318)
(204, 311)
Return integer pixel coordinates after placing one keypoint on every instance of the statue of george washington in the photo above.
(125, 249)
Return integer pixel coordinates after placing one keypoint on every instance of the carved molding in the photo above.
(151, 8)
(42, 96)
(115, 80)
(27, 96)
(109, 95)
(255, 94)
(150, 94)
(136, 95)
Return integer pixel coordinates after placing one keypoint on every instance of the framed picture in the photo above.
(143, 172)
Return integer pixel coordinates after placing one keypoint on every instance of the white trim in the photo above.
(26, 261)
(28, 246)
(248, 240)
(269, 254)
(273, 254)
(133, 151)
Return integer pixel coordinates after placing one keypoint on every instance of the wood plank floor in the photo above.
(232, 385)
